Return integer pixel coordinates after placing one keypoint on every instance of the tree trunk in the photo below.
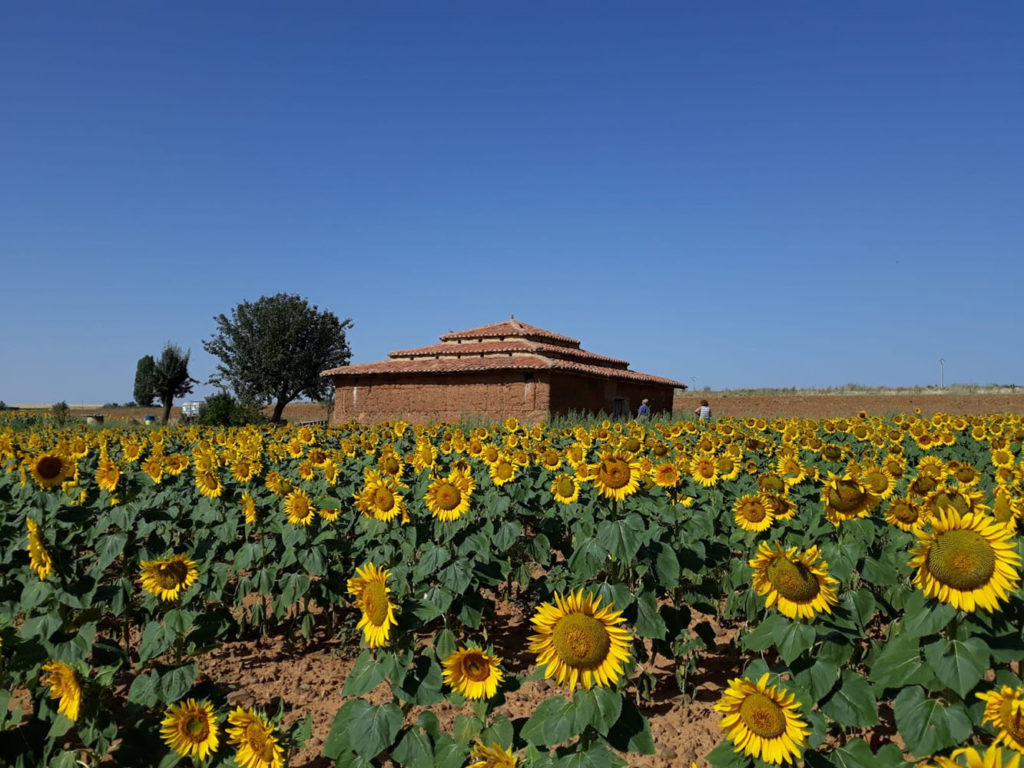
(278, 410)
(167, 409)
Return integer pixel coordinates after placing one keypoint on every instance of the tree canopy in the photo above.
(144, 381)
(274, 349)
(171, 378)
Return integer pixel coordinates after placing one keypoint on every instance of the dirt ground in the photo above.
(310, 678)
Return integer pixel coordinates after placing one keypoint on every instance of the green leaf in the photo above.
(363, 728)
(959, 664)
(631, 732)
(622, 538)
(927, 725)
(365, 675)
(879, 573)
(855, 754)
(176, 682)
(726, 756)
(763, 636)
(793, 638)
(422, 684)
(899, 664)
(108, 549)
(853, 704)
(648, 621)
(597, 755)
(666, 565)
(156, 638)
(145, 690)
(414, 749)
(466, 729)
(445, 644)
(551, 723)
(603, 706)
(500, 732)
(922, 616)
(448, 753)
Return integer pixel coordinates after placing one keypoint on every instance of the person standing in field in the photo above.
(703, 412)
(644, 411)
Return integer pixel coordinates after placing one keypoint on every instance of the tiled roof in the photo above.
(508, 345)
(509, 328)
(516, 362)
(477, 348)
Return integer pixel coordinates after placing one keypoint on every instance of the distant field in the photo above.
(820, 405)
(738, 403)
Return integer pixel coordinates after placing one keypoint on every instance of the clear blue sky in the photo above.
(740, 194)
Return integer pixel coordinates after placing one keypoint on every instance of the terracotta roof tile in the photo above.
(511, 345)
(517, 362)
(508, 328)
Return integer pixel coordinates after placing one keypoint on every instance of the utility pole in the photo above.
(942, 378)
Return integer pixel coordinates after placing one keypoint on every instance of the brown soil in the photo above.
(309, 680)
(820, 406)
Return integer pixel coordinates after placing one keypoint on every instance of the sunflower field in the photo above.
(862, 575)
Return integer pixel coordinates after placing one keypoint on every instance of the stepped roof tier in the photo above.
(508, 345)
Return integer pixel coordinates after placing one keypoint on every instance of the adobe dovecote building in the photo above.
(493, 372)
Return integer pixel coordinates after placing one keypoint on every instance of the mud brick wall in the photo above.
(420, 399)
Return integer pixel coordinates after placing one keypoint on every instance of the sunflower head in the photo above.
(577, 640)
(473, 672)
(62, 680)
(166, 578)
(370, 589)
(763, 721)
(190, 729)
(253, 735)
(797, 584)
(966, 561)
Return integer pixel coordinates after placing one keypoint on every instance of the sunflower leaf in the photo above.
(648, 621)
(923, 616)
(597, 755)
(959, 664)
(928, 725)
(853, 704)
(899, 663)
(551, 723)
(726, 756)
(792, 639)
(363, 728)
(631, 732)
(364, 677)
(414, 750)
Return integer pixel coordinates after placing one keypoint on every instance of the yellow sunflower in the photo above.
(39, 559)
(615, 476)
(472, 672)
(51, 469)
(190, 729)
(209, 484)
(494, 757)
(797, 584)
(380, 498)
(763, 722)
(992, 757)
(967, 562)
(666, 474)
(370, 589)
(502, 471)
(565, 489)
(249, 508)
(154, 467)
(253, 735)
(448, 498)
(299, 508)
(752, 513)
(905, 514)
(704, 470)
(62, 680)
(1005, 710)
(168, 577)
(578, 640)
(108, 475)
(845, 499)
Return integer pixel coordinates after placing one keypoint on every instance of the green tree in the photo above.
(144, 381)
(223, 410)
(170, 377)
(274, 349)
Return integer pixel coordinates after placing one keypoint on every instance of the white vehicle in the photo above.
(190, 410)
